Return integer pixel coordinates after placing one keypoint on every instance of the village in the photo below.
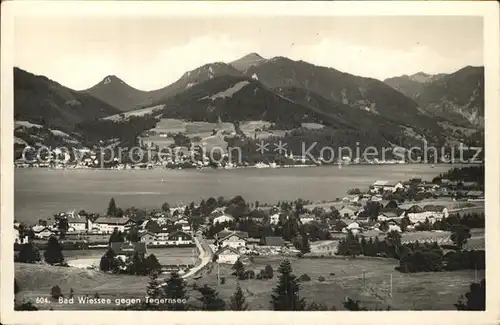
(232, 229)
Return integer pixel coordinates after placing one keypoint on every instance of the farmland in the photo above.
(366, 279)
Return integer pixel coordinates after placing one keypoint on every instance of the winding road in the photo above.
(205, 256)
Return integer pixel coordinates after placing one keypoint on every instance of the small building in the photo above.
(227, 255)
(108, 224)
(348, 211)
(223, 218)
(273, 241)
(42, 232)
(148, 238)
(475, 194)
(180, 238)
(124, 250)
(234, 240)
(353, 227)
(274, 219)
(78, 223)
(306, 218)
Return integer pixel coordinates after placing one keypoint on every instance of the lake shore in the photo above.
(40, 193)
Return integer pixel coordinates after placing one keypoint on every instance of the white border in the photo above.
(488, 10)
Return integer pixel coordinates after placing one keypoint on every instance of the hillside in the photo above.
(117, 93)
(235, 99)
(40, 100)
(342, 88)
(457, 97)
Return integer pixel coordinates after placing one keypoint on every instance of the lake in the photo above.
(39, 193)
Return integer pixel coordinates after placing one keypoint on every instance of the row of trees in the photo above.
(53, 255)
(134, 265)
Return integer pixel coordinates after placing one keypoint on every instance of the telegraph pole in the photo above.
(390, 293)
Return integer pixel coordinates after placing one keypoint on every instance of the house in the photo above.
(180, 238)
(78, 223)
(351, 198)
(274, 219)
(469, 185)
(388, 215)
(376, 198)
(42, 232)
(273, 241)
(233, 240)
(353, 227)
(227, 255)
(348, 211)
(124, 250)
(223, 218)
(148, 238)
(475, 194)
(306, 218)
(363, 220)
(427, 187)
(418, 214)
(393, 186)
(108, 224)
(394, 227)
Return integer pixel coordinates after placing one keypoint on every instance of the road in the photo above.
(205, 256)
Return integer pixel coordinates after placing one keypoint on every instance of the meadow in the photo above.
(364, 279)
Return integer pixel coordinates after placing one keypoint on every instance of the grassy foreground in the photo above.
(364, 279)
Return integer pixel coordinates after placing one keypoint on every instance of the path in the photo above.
(205, 256)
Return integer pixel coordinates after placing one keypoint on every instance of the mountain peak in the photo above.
(249, 60)
(110, 78)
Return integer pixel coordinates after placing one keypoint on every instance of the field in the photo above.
(137, 112)
(409, 291)
(166, 256)
(191, 129)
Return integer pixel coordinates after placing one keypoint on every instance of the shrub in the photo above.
(249, 274)
(269, 272)
(55, 292)
(321, 278)
(222, 280)
(304, 277)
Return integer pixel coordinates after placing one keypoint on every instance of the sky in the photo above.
(151, 53)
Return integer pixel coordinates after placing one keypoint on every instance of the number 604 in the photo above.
(42, 300)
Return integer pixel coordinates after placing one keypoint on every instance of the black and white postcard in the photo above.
(316, 159)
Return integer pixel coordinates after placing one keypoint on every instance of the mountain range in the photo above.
(279, 90)
(457, 97)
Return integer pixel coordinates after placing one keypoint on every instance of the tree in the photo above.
(152, 264)
(285, 295)
(112, 209)
(108, 262)
(210, 299)
(393, 243)
(238, 301)
(459, 235)
(28, 253)
(165, 207)
(116, 236)
(239, 269)
(405, 222)
(352, 305)
(53, 254)
(63, 227)
(268, 271)
(176, 289)
(133, 235)
(71, 293)
(475, 299)
(305, 247)
(25, 305)
(55, 292)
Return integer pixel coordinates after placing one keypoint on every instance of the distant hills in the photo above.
(457, 97)
(40, 100)
(399, 111)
